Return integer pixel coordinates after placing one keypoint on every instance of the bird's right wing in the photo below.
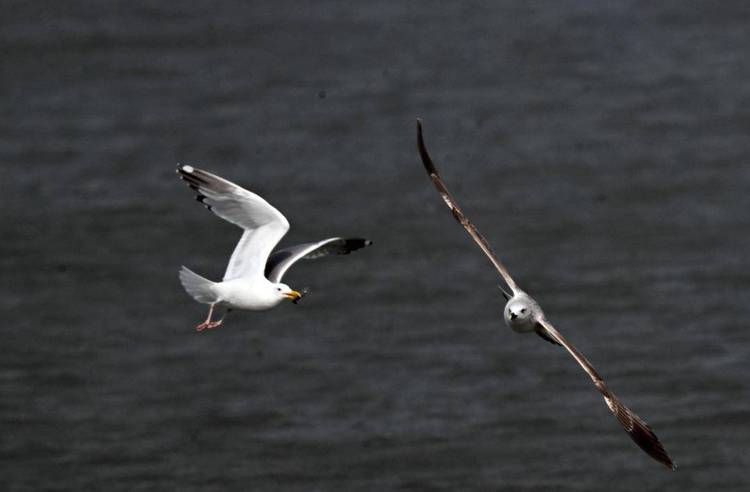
(280, 261)
(458, 214)
(264, 225)
(638, 430)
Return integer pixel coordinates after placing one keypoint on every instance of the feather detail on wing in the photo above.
(264, 225)
(638, 430)
(280, 261)
(457, 213)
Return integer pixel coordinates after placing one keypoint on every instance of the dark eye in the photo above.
(523, 310)
(278, 288)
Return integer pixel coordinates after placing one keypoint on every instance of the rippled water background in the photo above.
(602, 147)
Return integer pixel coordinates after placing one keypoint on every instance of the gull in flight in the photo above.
(523, 314)
(252, 280)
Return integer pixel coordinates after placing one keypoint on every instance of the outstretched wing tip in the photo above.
(442, 189)
(426, 159)
(642, 434)
(638, 430)
(281, 260)
(355, 243)
(186, 169)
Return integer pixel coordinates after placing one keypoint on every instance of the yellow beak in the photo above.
(293, 295)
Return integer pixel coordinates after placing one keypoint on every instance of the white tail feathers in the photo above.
(198, 287)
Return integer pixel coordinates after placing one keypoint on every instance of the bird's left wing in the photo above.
(637, 429)
(280, 261)
(264, 225)
(458, 214)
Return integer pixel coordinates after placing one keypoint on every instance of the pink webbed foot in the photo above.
(208, 323)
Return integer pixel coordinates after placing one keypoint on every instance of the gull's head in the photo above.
(520, 313)
(286, 292)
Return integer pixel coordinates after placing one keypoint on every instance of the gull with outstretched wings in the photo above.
(252, 280)
(523, 314)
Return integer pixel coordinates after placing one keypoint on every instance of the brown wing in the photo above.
(457, 213)
(637, 429)
(544, 334)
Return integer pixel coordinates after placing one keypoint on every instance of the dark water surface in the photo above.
(601, 146)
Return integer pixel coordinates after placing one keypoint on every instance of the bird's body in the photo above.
(523, 314)
(250, 294)
(252, 280)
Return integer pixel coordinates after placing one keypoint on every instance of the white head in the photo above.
(521, 313)
(286, 292)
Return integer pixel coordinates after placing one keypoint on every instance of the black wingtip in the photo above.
(638, 430)
(192, 176)
(646, 439)
(184, 169)
(355, 243)
(426, 159)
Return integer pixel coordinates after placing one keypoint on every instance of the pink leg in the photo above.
(214, 324)
(207, 323)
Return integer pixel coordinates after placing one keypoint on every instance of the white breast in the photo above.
(243, 293)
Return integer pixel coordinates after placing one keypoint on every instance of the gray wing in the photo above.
(638, 430)
(458, 214)
(280, 261)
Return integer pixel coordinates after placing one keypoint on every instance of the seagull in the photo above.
(252, 280)
(523, 314)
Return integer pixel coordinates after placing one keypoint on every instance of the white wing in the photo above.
(264, 225)
(280, 261)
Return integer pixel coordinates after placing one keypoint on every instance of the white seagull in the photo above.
(252, 280)
(523, 314)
